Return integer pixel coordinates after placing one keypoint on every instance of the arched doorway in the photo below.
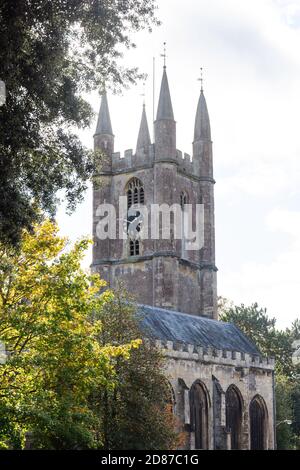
(258, 418)
(234, 416)
(199, 415)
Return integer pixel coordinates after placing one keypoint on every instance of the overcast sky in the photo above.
(250, 51)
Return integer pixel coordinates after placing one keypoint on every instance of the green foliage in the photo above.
(79, 374)
(137, 412)
(52, 51)
(271, 342)
(256, 324)
(284, 411)
(55, 361)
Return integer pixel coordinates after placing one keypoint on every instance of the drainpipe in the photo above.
(274, 410)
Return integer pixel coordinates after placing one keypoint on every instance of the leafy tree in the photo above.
(295, 329)
(284, 413)
(51, 53)
(55, 361)
(256, 324)
(137, 412)
(295, 395)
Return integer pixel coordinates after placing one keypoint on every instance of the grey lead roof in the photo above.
(168, 325)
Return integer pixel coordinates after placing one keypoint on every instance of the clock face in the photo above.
(133, 224)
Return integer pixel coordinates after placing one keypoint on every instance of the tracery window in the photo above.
(183, 202)
(234, 416)
(258, 420)
(199, 415)
(135, 192)
(135, 195)
(183, 199)
(134, 247)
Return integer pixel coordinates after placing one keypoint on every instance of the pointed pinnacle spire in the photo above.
(104, 123)
(165, 109)
(144, 136)
(202, 123)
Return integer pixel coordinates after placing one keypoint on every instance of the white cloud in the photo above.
(286, 221)
(290, 12)
(274, 285)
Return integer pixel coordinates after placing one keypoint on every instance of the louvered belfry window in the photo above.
(135, 192)
(135, 195)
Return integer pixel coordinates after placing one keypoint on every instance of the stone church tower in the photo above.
(160, 174)
(221, 388)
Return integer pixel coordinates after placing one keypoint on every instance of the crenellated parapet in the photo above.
(191, 352)
(129, 160)
(185, 163)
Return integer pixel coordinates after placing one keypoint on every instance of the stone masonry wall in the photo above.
(251, 375)
(162, 271)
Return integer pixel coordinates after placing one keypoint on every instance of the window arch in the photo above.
(135, 192)
(135, 195)
(233, 402)
(183, 199)
(258, 423)
(199, 414)
(183, 202)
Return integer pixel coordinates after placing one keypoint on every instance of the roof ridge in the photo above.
(176, 312)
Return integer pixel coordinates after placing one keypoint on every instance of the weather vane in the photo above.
(164, 55)
(144, 93)
(201, 78)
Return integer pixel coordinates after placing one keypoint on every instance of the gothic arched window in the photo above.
(258, 422)
(135, 195)
(199, 415)
(183, 202)
(135, 192)
(183, 199)
(234, 416)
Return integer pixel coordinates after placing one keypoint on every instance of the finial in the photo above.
(103, 88)
(201, 78)
(164, 55)
(144, 93)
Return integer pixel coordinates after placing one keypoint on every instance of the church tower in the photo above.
(223, 389)
(158, 270)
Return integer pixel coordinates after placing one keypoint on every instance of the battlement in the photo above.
(129, 160)
(132, 161)
(185, 163)
(190, 352)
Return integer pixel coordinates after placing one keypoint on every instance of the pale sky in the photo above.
(250, 51)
